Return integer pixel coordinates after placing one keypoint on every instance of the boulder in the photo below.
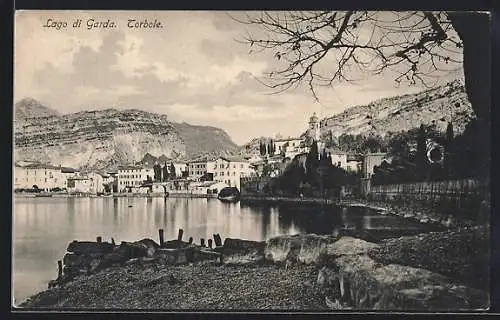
(175, 244)
(348, 246)
(131, 250)
(90, 247)
(205, 255)
(150, 245)
(366, 284)
(305, 249)
(172, 256)
(72, 259)
(238, 251)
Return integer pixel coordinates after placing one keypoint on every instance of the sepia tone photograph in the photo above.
(289, 161)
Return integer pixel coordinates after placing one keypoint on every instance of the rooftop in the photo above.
(38, 166)
(234, 159)
(286, 139)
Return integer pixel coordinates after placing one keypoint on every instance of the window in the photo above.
(221, 166)
(234, 173)
(241, 166)
(45, 179)
(234, 166)
(222, 173)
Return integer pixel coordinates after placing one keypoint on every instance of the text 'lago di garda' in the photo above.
(92, 23)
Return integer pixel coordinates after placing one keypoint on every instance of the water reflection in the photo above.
(43, 227)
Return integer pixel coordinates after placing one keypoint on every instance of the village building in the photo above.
(290, 147)
(354, 163)
(79, 185)
(370, 161)
(133, 176)
(180, 168)
(199, 167)
(229, 170)
(43, 176)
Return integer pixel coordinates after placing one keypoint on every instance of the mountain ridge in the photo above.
(108, 137)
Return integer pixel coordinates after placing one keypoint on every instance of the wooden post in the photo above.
(202, 242)
(210, 243)
(99, 239)
(190, 240)
(179, 236)
(160, 233)
(59, 269)
(218, 240)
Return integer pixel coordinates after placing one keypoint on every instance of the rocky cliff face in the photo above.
(402, 113)
(100, 139)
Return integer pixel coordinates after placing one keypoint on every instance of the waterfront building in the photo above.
(133, 176)
(44, 176)
(180, 168)
(78, 185)
(370, 160)
(68, 172)
(229, 170)
(198, 168)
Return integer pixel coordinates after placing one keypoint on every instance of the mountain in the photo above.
(108, 138)
(401, 113)
(31, 108)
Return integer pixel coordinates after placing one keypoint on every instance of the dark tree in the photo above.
(165, 172)
(173, 175)
(312, 162)
(421, 156)
(419, 46)
(262, 148)
(449, 133)
(157, 172)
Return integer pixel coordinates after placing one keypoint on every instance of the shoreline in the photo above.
(415, 210)
(121, 195)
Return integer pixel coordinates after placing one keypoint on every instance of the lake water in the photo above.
(43, 227)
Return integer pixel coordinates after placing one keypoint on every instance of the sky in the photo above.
(193, 70)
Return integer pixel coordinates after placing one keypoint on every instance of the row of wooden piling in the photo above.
(217, 240)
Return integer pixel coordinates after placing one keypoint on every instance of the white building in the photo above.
(199, 167)
(371, 160)
(79, 185)
(43, 176)
(133, 176)
(229, 170)
(180, 167)
(289, 147)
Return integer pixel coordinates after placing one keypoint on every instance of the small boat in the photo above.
(43, 195)
(229, 194)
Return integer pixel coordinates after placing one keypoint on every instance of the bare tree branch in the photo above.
(319, 48)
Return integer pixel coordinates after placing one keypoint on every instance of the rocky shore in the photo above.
(302, 272)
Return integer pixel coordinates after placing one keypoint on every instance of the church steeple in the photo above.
(314, 132)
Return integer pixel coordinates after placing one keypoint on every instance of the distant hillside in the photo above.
(31, 108)
(108, 138)
(402, 113)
